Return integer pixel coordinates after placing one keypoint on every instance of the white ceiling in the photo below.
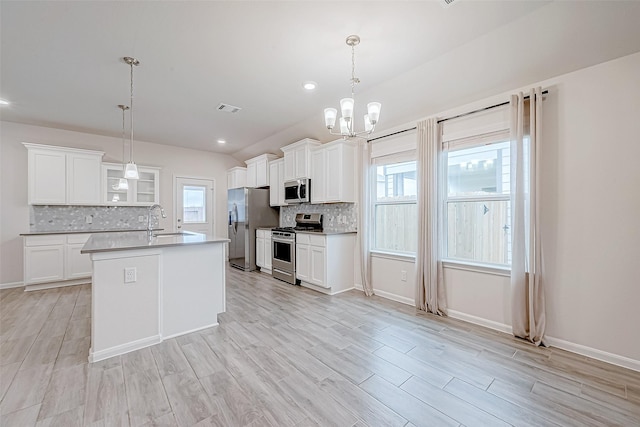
(61, 61)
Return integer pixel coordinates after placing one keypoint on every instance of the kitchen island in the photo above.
(146, 289)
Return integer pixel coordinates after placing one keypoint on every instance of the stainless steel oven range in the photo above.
(283, 251)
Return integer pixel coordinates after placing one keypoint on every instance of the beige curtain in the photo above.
(430, 294)
(527, 286)
(364, 216)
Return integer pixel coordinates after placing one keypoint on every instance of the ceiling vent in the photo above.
(447, 3)
(228, 108)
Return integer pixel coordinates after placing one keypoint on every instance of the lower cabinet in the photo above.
(325, 262)
(263, 250)
(55, 260)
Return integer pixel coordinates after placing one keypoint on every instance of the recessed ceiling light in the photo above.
(4, 102)
(309, 85)
(222, 141)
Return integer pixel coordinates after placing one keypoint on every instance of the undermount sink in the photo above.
(179, 233)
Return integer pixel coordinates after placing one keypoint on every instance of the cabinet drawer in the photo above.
(317, 240)
(74, 239)
(54, 239)
(263, 234)
(302, 238)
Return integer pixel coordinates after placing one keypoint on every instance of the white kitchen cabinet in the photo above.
(76, 265)
(276, 183)
(297, 159)
(258, 170)
(324, 262)
(333, 172)
(143, 191)
(236, 177)
(263, 250)
(63, 176)
(55, 260)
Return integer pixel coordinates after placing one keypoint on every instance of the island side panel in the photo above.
(193, 288)
(125, 316)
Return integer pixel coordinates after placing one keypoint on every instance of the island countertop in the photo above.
(121, 241)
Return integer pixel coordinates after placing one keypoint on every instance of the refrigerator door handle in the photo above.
(235, 227)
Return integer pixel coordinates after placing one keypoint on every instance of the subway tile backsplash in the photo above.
(341, 217)
(73, 218)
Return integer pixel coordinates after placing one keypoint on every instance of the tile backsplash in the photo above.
(74, 218)
(335, 216)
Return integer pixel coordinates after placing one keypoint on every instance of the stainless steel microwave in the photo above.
(297, 191)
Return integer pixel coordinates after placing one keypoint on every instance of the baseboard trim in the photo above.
(496, 326)
(594, 353)
(166, 337)
(326, 291)
(124, 348)
(389, 296)
(11, 285)
(51, 285)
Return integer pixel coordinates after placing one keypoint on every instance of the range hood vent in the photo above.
(228, 108)
(447, 3)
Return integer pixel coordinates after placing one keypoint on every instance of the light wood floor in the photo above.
(288, 356)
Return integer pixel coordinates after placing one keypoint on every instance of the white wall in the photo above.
(14, 211)
(590, 193)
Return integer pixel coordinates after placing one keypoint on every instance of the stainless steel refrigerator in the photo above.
(248, 209)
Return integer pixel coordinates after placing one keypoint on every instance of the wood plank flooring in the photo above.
(287, 356)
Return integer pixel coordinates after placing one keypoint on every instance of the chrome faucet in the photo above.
(149, 215)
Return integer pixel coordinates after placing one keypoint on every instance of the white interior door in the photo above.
(194, 205)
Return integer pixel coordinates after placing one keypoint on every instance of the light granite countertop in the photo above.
(45, 233)
(121, 241)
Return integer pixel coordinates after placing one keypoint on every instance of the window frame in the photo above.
(452, 147)
(390, 159)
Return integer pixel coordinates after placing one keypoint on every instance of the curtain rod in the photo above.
(544, 92)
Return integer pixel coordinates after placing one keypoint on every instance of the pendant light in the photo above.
(122, 184)
(347, 128)
(131, 170)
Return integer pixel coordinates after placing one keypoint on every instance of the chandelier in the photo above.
(347, 127)
(131, 170)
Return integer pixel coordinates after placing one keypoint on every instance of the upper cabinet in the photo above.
(236, 177)
(143, 191)
(333, 172)
(63, 176)
(276, 183)
(258, 170)
(297, 159)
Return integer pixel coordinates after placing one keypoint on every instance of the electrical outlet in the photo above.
(344, 219)
(88, 219)
(130, 275)
(403, 275)
(141, 218)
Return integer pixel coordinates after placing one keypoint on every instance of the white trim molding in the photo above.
(11, 285)
(594, 353)
(389, 296)
(124, 348)
(497, 326)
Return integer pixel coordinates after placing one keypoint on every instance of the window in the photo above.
(477, 206)
(194, 204)
(394, 206)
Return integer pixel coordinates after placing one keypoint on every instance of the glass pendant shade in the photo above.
(330, 117)
(344, 127)
(373, 110)
(123, 184)
(131, 171)
(368, 127)
(346, 107)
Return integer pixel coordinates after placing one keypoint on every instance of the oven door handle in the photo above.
(275, 239)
